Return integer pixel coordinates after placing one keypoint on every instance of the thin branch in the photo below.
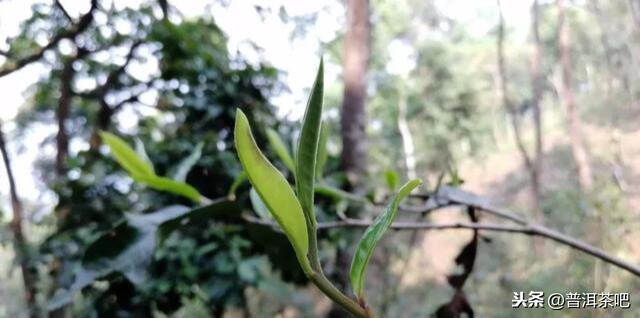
(448, 196)
(64, 11)
(64, 109)
(99, 93)
(530, 229)
(113, 77)
(19, 241)
(507, 103)
(11, 66)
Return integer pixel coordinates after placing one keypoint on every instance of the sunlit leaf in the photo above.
(308, 147)
(219, 209)
(372, 236)
(126, 156)
(281, 149)
(273, 188)
(169, 185)
(183, 168)
(141, 170)
(321, 158)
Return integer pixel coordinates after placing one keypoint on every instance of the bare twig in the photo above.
(11, 66)
(448, 196)
(64, 11)
(530, 229)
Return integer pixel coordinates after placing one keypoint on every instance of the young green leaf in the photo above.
(321, 158)
(281, 149)
(273, 188)
(308, 147)
(126, 156)
(372, 236)
(392, 179)
(169, 185)
(141, 170)
(338, 194)
(242, 177)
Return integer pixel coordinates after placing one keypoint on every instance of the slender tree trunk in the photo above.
(606, 45)
(532, 163)
(536, 82)
(62, 114)
(353, 119)
(19, 241)
(574, 123)
(62, 137)
(407, 138)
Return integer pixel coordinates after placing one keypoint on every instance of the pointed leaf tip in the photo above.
(308, 147)
(273, 189)
(372, 236)
(126, 156)
(281, 149)
(141, 169)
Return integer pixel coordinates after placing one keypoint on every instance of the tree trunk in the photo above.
(532, 163)
(407, 138)
(62, 114)
(19, 241)
(536, 82)
(353, 120)
(574, 123)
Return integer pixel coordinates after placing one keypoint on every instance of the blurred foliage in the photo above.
(205, 265)
(181, 88)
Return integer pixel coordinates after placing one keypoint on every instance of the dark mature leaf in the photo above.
(372, 236)
(308, 147)
(273, 188)
(128, 247)
(281, 149)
